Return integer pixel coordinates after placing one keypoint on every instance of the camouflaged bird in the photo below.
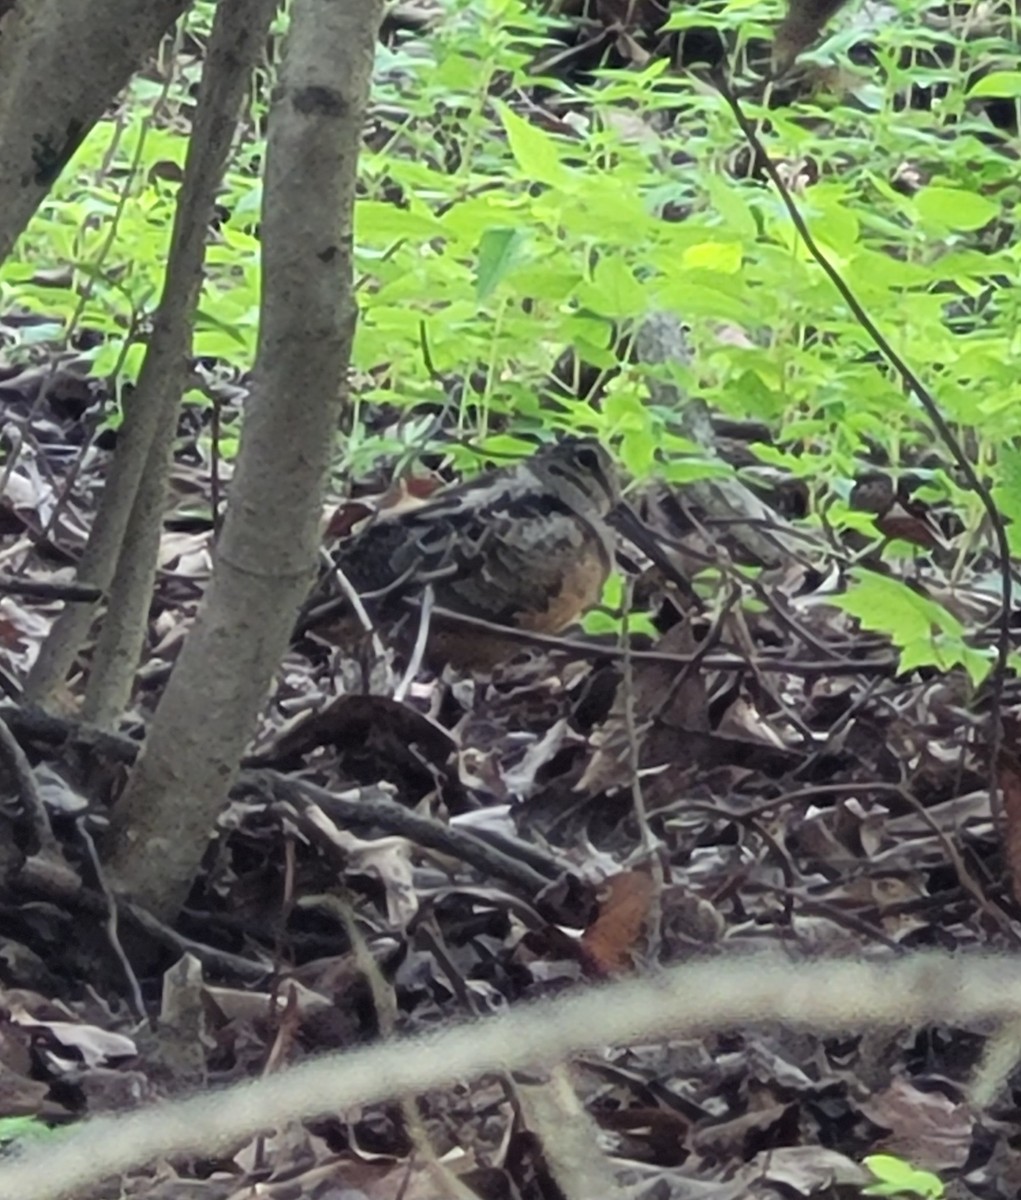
(526, 546)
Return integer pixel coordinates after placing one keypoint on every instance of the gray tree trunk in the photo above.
(62, 62)
(239, 31)
(266, 552)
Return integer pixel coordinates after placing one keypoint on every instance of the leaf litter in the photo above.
(484, 836)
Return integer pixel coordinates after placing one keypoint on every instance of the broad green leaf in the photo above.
(504, 446)
(247, 204)
(614, 292)
(1007, 493)
(638, 451)
(626, 409)
(133, 359)
(680, 472)
(226, 344)
(611, 209)
(535, 152)
(725, 257)
(106, 357)
(457, 73)
(468, 219)
(885, 605)
(729, 200)
(945, 654)
(498, 248)
(547, 281)
(897, 1176)
(25, 1128)
(597, 622)
(596, 354)
(926, 634)
(997, 83)
(386, 222)
(835, 223)
(600, 621)
(955, 208)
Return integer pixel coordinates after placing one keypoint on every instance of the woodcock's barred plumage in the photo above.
(526, 546)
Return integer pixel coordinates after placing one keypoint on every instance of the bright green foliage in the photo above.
(20, 1129)
(925, 632)
(1008, 494)
(609, 617)
(494, 236)
(895, 1177)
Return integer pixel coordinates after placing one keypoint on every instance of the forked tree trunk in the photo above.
(239, 33)
(266, 552)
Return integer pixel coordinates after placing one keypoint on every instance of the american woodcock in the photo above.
(525, 546)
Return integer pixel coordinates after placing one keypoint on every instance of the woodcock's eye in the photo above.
(589, 459)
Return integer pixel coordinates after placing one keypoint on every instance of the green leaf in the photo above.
(725, 257)
(997, 83)
(601, 621)
(535, 152)
(1007, 492)
(380, 222)
(926, 634)
(225, 344)
(133, 359)
(624, 408)
(689, 472)
(106, 357)
(498, 248)
(638, 451)
(730, 202)
(884, 605)
(614, 292)
(548, 280)
(833, 219)
(503, 447)
(895, 1175)
(954, 208)
(24, 1127)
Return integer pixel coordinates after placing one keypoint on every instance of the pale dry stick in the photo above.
(887, 665)
(287, 1018)
(999, 1058)
(385, 1003)
(548, 1107)
(568, 1135)
(359, 610)
(112, 922)
(821, 996)
(421, 638)
(16, 439)
(650, 843)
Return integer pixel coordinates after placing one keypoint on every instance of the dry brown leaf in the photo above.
(624, 905)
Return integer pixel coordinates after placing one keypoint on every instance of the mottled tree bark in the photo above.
(266, 552)
(62, 62)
